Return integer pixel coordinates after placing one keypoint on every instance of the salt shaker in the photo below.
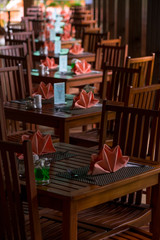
(46, 50)
(42, 69)
(38, 101)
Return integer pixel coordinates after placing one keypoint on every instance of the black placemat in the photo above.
(56, 156)
(68, 109)
(80, 174)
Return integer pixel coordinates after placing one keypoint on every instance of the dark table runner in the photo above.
(80, 174)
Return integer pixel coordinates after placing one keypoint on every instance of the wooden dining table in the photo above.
(64, 43)
(71, 80)
(71, 190)
(88, 56)
(61, 117)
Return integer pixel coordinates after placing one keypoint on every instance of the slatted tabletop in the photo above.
(89, 57)
(52, 116)
(71, 196)
(70, 79)
(64, 44)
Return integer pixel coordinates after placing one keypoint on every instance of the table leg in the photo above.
(155, 204)
(69, 221)
(64, 132)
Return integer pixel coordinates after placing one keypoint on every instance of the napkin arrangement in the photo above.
(81, 67)
(49, 62)
(66, 36)
(50, 46)
(49, 26)
(84, 100)
(46, 91)
(67, 28)
(107, 161)
(40, 144)
(76, 49)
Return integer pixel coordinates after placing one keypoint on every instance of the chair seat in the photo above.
(112, 215)
(88, 138)
(51, 226)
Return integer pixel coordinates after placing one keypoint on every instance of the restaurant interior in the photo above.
(79, 120)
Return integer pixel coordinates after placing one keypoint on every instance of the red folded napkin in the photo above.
(84, 100)
(40, 144)
(66, 36)
(81, 67)
(108, 160)
(67, 28)
(46, 91)
(76, 49)
(49, 26)
(49, 62)
(50, 46)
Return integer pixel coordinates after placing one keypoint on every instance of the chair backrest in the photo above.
(9, 61)
(12, 83)
(136, 130)
(80, 27)
(24, 36)
(36, 25)
(113, 55)
(12, 223)
(147, 97)
(121, 77)
(26, 22)
(112, 42)
(90, 40)
(37, 12)
(147, 65)
(14, 50)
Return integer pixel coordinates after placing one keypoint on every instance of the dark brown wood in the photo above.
(79, 196)
(9, 61)
(12, 218)
(90, 40)
(112, 55)
(147, 65)
(71, 80)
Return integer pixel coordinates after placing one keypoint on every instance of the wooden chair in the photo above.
(26, 38)
(112, 42)
(13, 88)
(113, 55)
(90, 40)
(147, 65)
(14, 50)
(36, 25)
(114, 90)
(14, 223)
(23, 36)
(134, 132)
(80, 27)
(9, 61)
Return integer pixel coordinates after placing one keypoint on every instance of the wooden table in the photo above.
(52, 117)
(70, 79)
(71, 196)
(64, 44)
(89, 57)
